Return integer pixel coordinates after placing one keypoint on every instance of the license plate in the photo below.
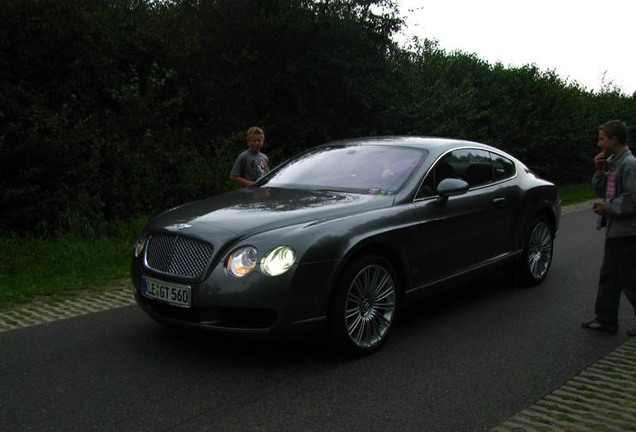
(176, 295)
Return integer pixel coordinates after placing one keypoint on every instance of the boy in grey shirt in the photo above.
(251, 164)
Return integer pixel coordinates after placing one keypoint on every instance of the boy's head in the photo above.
(615, 129)
(255, 138)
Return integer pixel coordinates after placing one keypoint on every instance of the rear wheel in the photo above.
(364, 306)
(533, 266)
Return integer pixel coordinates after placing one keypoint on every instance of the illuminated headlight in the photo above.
(141, 244)
(278, 261)
(242, 261)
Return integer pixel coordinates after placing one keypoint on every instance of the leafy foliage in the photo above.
(118, 108)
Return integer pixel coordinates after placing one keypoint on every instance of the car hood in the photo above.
(249, 211)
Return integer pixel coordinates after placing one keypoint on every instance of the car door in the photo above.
(464, 231)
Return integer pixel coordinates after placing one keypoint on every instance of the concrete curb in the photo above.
(43, 312)
(601, 398)
(580, 206)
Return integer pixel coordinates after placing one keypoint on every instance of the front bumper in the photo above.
(256, 304)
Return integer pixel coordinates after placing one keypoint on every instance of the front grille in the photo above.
(178, 256)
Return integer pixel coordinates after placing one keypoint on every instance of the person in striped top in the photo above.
(615, 182)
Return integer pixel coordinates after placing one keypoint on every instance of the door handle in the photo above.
(499, 201)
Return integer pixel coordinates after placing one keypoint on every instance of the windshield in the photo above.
(356, 168)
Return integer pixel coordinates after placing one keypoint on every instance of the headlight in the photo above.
(278, 261)
(242, 261)
(141, 244)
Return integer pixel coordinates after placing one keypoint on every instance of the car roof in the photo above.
(419, 142)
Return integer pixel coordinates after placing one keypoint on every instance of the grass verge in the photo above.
(576, 193)
(57, 268)
(61, 267)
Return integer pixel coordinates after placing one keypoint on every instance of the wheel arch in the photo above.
(350, 332)
(549, 215)
(379, 248)
(518, 271)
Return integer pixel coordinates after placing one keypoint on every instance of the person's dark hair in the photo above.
(615, 128)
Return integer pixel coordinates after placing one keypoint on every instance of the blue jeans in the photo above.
(618, 274)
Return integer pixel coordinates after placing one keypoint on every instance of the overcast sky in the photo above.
(580, 39)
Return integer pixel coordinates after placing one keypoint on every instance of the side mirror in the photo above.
(451, 187)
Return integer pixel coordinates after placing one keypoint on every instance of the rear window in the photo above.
(502, 167)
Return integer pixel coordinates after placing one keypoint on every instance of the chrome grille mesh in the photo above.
(178, 256)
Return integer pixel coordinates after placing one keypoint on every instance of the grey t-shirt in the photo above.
(250, 165)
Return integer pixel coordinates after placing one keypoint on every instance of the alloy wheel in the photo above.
(370, 306)
(540, 250)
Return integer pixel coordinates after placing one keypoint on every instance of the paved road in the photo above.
(466, 361)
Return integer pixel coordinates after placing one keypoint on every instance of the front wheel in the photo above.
(364, 306)
(532, 267)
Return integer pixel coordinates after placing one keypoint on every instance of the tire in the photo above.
(364, 306)
(533, 265)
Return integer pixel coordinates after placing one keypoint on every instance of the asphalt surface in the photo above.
(483, 357)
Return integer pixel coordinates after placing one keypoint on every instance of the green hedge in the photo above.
(114, 109)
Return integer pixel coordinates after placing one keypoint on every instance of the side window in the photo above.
(443, 169)
(502, 167)
(477, 167)
(474, 166)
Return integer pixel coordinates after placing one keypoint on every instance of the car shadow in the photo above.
(228, 348)
(424, 306)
